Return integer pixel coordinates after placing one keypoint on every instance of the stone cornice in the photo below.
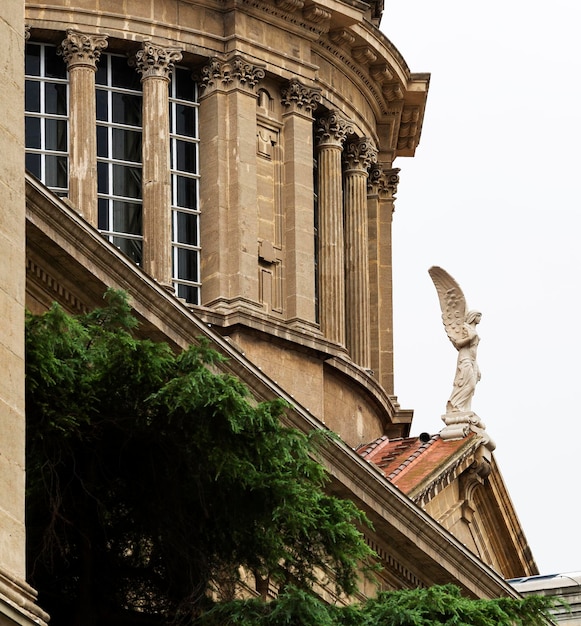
(80, 49)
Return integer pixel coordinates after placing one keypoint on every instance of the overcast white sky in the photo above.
(492, 196)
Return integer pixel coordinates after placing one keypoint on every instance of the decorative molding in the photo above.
(298, 97)
(383, 181)
(234, 72)
(54, 288)
(290, 5)
(381, 73)
(26, 32)
(393, 566)
(342, 37)
(154, 61)
(408, 128)
(392, 91)
(332, 129)
(364, 54)
(80, 49)
(359, 154)
(317, 14)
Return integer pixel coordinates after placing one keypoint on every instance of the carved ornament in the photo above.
(364, 54)
(408, 128)
(359, 154)
(82, 49)
(233, 72)
(290, 5)
(384, 181)
(332, 129)
(154, 61)
(342, 37)
(298, 97)
(316, 14)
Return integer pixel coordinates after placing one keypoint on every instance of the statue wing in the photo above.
(452, 303)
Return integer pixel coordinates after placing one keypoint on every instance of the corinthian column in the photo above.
(358, 156)
(300, 102)
(81, 51)
(382, 187)
(155, 64)
(331, 133)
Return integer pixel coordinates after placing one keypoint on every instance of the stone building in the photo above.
(231, 165)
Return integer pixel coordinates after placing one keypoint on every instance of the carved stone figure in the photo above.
(460, 325)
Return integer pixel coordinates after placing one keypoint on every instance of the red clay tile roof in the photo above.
(409, 462)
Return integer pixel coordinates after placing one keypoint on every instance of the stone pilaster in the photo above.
(300, 102)
(331, 132)
(229, 217)
(155, 64)
(358, 155)
(81, 52)
(382, 187)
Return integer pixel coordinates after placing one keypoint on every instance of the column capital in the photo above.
(155, 61)
(233, 72)
(383, 181)
(80, 49)
(300, 98)
(332, 130)
(359, 154)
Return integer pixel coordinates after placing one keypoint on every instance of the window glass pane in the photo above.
(187, 195)
(188, 293)
(101, 73)
(32, 60)
(32, 96)
(124, 76)
(126, 109)
(127, 181)
(55, 98)
(186, 225)
(56, 171)
(56, 135)
(131, 247)
(186, 156)
(55, 66)
(103, 178)
(32, 128)
(126, 145)
(102, 141)
(103, 214)
(33, 164)
(102, 106)
(185, 120)
(185, 88)
(127, 218)
(187, 264)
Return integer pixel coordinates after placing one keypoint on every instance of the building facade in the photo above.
(231, 165)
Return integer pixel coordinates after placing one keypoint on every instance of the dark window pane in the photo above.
(187, 265)
(56, 171)
(55, 96)
(185, 120)
(56, 135)
(102, 141)
(127, 218)
(32, 96)
(102, 105)
(103, 178)
(32, 127)
(188, 293)
(33, 164)
(101, 73)
(126, 145)
(186, 192)
(127, 181)
(126, 109)
(186, 156)
(186, 225)
(103, 214)
(54, 65)
(32, 59)
(185, 88)
(131, 247)
(124, 76)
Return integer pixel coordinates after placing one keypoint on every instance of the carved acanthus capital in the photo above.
(82, 49)
(359, 154)
(332, 129)
(237, 72)
(383, 181)
(298, 97)
(154, 61)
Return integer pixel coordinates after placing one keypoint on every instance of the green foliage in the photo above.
(152, 477)
(414, 607)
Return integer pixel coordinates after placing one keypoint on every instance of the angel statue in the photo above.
(460, 325)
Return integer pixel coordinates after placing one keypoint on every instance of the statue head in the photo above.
(473, 317)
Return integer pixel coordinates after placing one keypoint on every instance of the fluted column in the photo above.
(382, 187)
(330, 134)
(81, 52)
(358, 156)
(229, 216)
(155, 64)
(300, 102)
